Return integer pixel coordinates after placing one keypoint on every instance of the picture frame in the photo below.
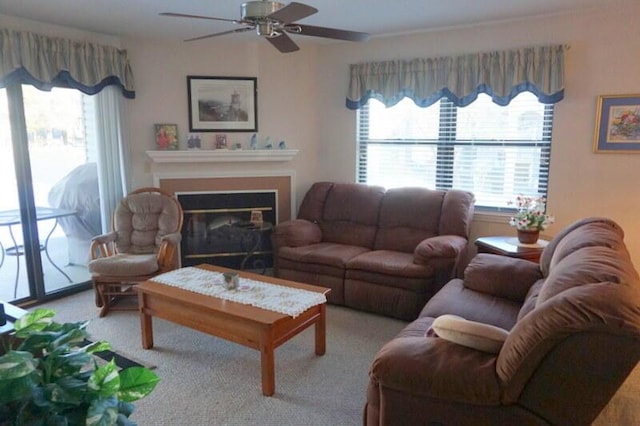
(221, 141)
(617, 124)
(222, 104)
(166, 137)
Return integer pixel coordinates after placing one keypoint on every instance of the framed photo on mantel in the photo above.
(222, 104)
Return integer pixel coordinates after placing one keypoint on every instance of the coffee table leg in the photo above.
(146, 324)
(267, 363)
(321, 331)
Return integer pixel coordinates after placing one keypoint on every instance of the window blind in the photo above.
(496, 152)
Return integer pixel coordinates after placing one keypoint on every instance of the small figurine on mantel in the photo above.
(254, 141)
(282, 145)
(267, 143)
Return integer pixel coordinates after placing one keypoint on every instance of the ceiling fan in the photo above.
(273, 20)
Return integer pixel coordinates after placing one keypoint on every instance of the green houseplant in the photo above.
(48, 376)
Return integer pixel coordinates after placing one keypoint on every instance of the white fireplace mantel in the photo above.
(222, 155)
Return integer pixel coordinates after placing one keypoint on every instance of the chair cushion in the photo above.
(476, 335)
(125, 265)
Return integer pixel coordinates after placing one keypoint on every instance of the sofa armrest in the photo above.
(431, 367)
(501, 276)
(296, 233)
(437, 249)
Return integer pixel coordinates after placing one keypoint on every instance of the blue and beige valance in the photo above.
(47, 62)
(500, 74)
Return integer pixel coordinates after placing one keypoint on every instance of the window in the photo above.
(493, 151)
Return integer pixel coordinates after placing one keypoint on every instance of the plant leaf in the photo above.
(102, 412)
(97, 347)
(16, 389)
(105, 380)
(32, 321)
(16, 364)
(136, 383)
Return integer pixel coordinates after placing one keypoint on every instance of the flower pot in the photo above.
(528, 236)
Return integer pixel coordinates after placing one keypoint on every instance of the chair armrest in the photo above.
(173, 238)
(501, 276)
(432, 367)
(103, 245)
(296, 233)
(440, 248)
(105, 238)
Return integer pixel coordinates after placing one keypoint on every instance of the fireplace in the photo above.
(230, 228)
(217, 213)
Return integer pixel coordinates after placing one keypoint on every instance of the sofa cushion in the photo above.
(501, 276)
(585, 266)
(473, 334)
(589, 232)
(312, 207)
(408, 216)
(351, 214)
(454, 298)
(331, 254)
(389, 263)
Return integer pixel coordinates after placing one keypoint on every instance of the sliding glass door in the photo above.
(49, 198)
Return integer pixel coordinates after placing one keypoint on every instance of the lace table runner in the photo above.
(273, 297)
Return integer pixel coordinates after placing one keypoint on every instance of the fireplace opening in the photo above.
(223, 228)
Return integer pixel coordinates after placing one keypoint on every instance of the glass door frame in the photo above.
(26, 202)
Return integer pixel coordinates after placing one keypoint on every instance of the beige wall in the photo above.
(286, 102)
(602, 60)
(301, 100)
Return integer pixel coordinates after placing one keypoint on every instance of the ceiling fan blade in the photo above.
(182, 15)
(293, 12)
(237, 30)
(283, 43)
(310, 30)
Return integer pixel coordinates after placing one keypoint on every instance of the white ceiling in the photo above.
(139, 18)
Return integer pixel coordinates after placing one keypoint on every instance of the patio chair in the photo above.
(144, 241)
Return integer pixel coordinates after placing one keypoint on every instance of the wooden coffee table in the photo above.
(247, 325)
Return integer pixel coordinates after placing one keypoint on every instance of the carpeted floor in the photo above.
(209, 381)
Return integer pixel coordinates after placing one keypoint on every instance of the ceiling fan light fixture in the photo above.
(268, 29)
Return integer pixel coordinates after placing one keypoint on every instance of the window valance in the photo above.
(47, 62)
(500, 74)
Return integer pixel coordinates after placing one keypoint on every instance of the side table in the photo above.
(511, 247)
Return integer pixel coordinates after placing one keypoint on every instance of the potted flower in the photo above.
(530, 218)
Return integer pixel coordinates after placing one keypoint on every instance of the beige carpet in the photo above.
(208, 381)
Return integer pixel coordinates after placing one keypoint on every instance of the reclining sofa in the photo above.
(570, 337)
(380, 251)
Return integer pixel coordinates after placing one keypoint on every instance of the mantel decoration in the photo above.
(49, 376)
(617, 124)
(530, 218)
(222, 104)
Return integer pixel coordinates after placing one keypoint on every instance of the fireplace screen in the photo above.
(230, 229)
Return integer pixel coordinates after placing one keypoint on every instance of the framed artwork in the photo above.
(222, 104)
(617, 124)
(221, 141)
(166, 136)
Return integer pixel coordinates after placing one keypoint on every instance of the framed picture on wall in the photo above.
(222, 104)
(617, 124)
(166, 136)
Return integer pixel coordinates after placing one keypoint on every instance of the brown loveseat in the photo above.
(381, 251)
(573, 337)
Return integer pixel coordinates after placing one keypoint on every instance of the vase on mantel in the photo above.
(528, 236)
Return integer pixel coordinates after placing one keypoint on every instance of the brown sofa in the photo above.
(573, 337)
(381, 251)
